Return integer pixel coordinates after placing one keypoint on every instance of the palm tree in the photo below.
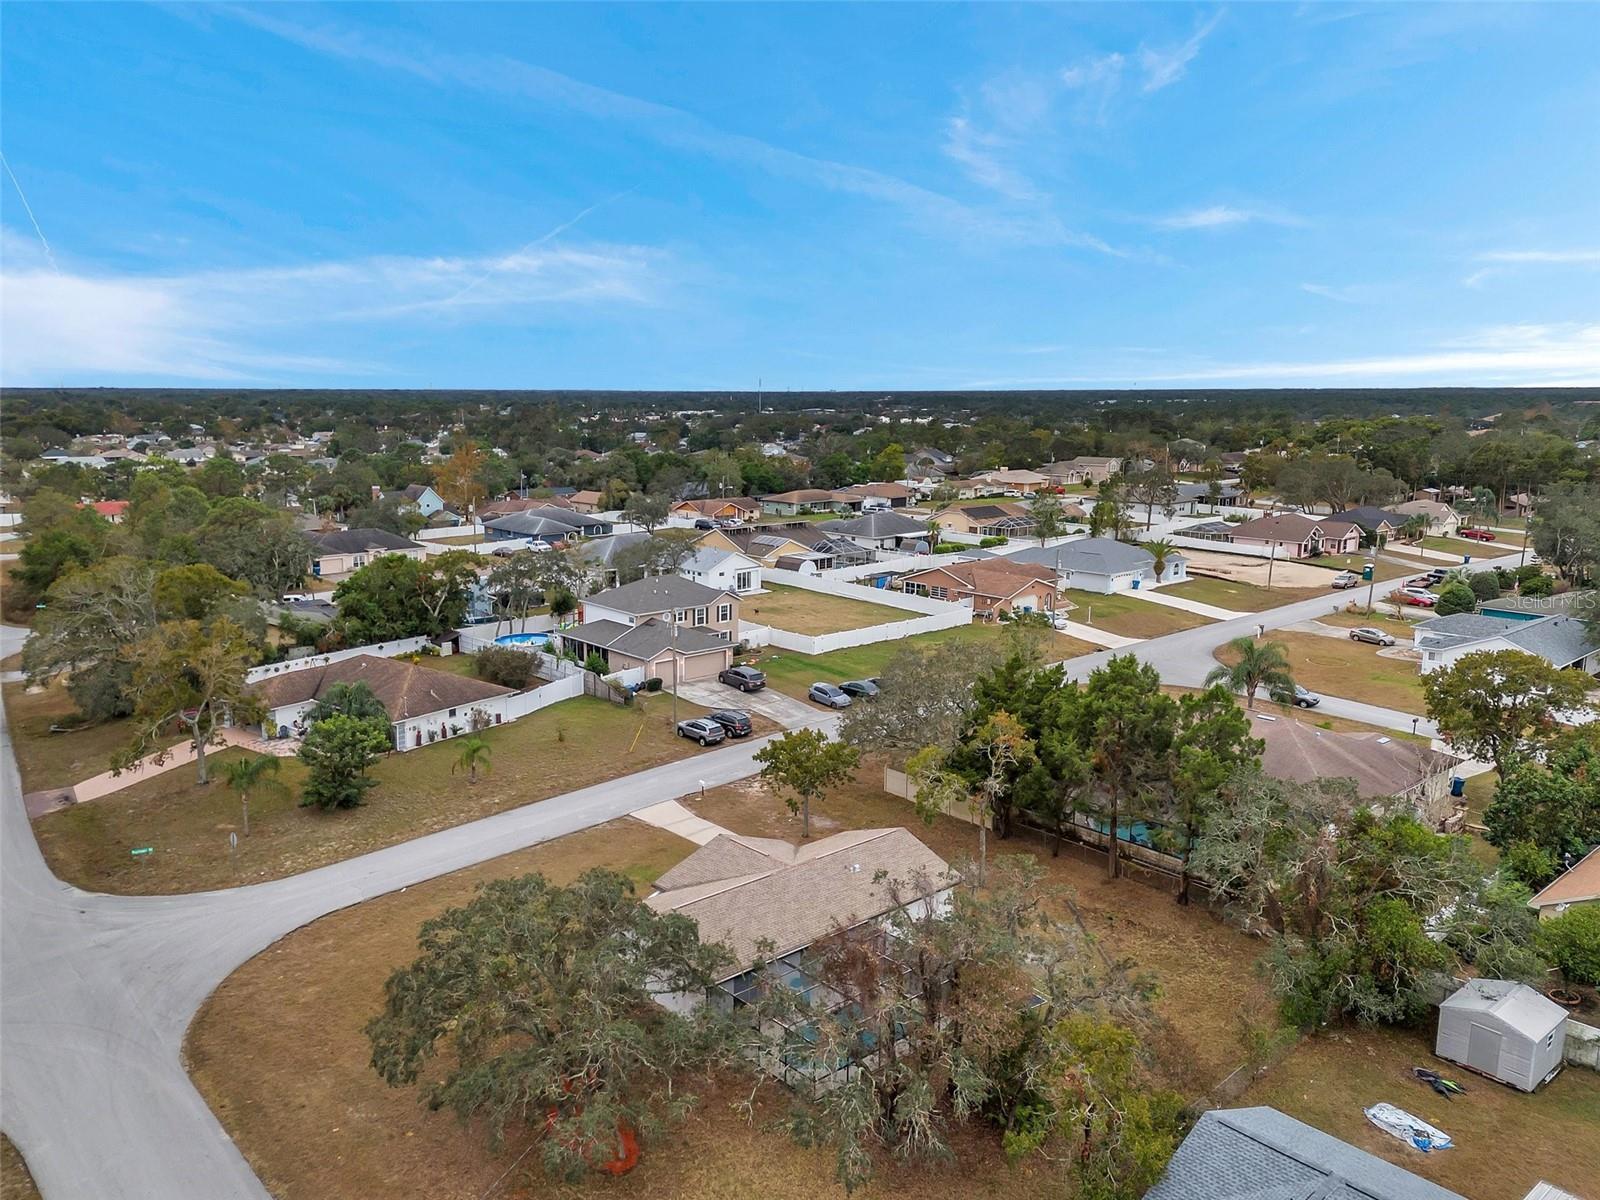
(1163, 550)
(1260, 665)
(248, 776)
(474, 756)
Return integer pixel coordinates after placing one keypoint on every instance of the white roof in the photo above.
(1516, 1004)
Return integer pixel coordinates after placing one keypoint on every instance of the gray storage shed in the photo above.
(1504, 1030)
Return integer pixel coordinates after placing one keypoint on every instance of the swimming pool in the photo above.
(523, 639)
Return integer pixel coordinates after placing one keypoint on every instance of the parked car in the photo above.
(859, 689)
(1346, 579)
(1476, 535)
(734, 723)
(729, 522)
(1304, 698)
(829, 694)
(746, 679)
(1416, 596)
(704, 523)
(702, 729)
(1373, 637)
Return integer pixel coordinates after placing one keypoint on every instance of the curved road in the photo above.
(97, 991)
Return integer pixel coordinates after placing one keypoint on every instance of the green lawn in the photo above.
(1355, 562)
(558, 749)
(1402, 630)
(1123, 614)
(455, 664)
(1467, 546)
(798, 611)
(1242, 597)
(1354, 670)
(794, 673)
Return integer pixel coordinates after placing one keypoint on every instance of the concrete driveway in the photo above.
(774, 705)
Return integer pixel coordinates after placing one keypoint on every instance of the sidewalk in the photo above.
(1099, 637)
(181, 755)
(1193, 606)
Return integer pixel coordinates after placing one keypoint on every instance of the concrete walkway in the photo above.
(675, 818)
(1096, 637)
(181, 755)
(1199, 609)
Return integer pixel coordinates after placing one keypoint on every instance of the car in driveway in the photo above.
(1304, 698)
(701, 729)
(859, 689)
(1373, 637)
(1416, 596)
(746, 679)
(734, 723)
(1476, 535)
(829, 694)
(1346, 579)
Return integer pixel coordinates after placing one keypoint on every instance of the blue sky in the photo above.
(868, 196)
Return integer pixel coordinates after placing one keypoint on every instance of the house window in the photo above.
(724, 613)
(452, 712)
(699, 616)
(938, 593)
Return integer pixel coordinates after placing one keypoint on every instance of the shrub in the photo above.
(1484, 585)
(653, 684)
(1572, 942)
(1455, 598)
(949, 548)
(1530, 863)
(595, 663)
(1537, 585)
(983, 543)
(506, 667)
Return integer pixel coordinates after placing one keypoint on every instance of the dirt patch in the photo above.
(16, 1182)
(1243, 568)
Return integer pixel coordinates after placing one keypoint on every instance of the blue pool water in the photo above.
(523, 639)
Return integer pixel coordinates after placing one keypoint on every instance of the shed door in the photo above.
(1483, 1049)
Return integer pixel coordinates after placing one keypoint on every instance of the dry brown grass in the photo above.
(57, 760)
(1355, 670)
(279, 1054)
(16, 1183)
(1505, 1140)
(557, 749)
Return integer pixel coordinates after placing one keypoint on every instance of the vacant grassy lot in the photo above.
(1505, 1141)
(57, 760)
(794, 673)
(1130, 617)
(1243, 597)
(288, 1024)
(15, 1181)
(1476, 549)
(1340, 667)
(558, 749)
(1355, 562)
(1381, 617)
(799, 611)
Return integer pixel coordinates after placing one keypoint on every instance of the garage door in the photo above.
(705, 666)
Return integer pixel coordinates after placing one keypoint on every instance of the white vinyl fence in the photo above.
(378, 649)
(932, 615)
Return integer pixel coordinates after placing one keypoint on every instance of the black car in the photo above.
(746, 679)
(704, 523)
(859, 689)
(736, 723)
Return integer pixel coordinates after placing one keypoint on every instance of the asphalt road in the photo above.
(96, 991)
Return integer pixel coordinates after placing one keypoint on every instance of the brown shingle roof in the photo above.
(405, 689)
(1381, 765)
(1580, 884)
(991, 576)
(744, 891)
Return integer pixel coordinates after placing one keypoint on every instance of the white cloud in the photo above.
(1562, 257)
(1350, 293)
(1163, 67)
(220, 325)
(1222, 216)
(978, 154)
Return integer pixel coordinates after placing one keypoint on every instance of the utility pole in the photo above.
(1372, 585)
(1272, 557)
(675, 669)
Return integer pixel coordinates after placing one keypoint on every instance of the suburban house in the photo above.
(728, 508)
(506, 505)
(993, 585)
(986, 520)
(806, 500)
(1256, 1153)
(768, 543)
(588, 501)
(1300, 536)
(1579, 884)
(1442, 520)
(337, 552)
(930, 464)
(770, 903)
(1104, 565)
(724, 570)
(658, 621)
(1381, 765)
(1561, 640)
(1020, 483)
(1195, 498)
(1577, 602)
(424, 705)
(1518, 504)
(422, 500)
(112, 510)
(892, 495)
(881, 531)
(1380, 523)
(547, 523)
(1086, 468)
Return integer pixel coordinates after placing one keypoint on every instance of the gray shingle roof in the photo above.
(1262, 1154)
(1095, 556)
(877, 525)
(359, 541)
(646, 640)
(1560, 640)
(656, 593)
